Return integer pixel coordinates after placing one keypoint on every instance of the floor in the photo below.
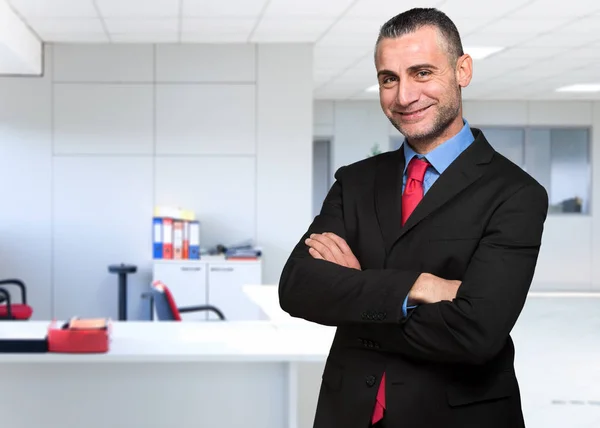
(557, 340)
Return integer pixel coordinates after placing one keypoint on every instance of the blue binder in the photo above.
(194, 240)
(157, 240)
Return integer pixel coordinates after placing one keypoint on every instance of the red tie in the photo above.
(413, 193)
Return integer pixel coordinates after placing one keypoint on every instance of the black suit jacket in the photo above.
(447, 364)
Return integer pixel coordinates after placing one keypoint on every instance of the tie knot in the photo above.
(417, 168)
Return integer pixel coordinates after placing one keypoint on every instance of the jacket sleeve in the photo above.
(330, 294)
(474, 327)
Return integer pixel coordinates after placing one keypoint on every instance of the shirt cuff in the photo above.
(405, 307)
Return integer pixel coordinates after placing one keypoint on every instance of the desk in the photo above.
(266, 374)
(168, 374)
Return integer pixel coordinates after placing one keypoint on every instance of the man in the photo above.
(422, 257)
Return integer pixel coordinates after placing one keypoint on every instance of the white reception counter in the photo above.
(167, 374)
(266, 374)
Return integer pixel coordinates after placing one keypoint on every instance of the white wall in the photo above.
(110, 131)
(570, 241)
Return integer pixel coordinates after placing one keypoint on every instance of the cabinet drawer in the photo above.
(226, 281)
(187, 282)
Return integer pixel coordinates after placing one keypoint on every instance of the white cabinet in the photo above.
(225, 292)
(211, 280)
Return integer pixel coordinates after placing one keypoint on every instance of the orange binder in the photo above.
(186, 240)
(177, 239)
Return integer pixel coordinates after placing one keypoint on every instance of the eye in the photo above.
(423, 73)
(388, 81)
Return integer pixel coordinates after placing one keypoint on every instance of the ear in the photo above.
(464, 70)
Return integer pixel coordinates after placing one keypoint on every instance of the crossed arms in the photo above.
(466, 322)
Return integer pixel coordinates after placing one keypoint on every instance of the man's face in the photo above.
(419, 86)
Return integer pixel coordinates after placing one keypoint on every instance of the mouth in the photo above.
(412, 115)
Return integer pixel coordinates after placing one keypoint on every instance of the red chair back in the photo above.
(165, 305)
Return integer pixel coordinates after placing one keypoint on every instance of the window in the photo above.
(558, 158)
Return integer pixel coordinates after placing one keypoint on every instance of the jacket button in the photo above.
(370, 381)
(364, 315)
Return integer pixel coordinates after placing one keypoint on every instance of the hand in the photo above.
(330, 247)
(429, 288)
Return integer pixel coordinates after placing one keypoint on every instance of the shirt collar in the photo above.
(443, 155)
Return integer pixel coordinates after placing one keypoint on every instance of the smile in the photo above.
(414, 114)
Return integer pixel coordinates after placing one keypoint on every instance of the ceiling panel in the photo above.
(548, 44)
(311, 8)
(138, 8)
(526, 26)
(484, 38)
(383, 10)
(141, 37)
(481, 9)
(66, 25)
(290, 29)
(210, 8)
(531, 54)
(559, 40)
(218, 26)
(142, 26)
(358, 33)
(76, 37)
(589, 24)
(214, 38)
(55, 8)
(547, 9)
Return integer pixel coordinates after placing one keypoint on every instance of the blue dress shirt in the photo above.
(440, 158)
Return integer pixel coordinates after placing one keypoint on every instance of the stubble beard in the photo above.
(445, 116)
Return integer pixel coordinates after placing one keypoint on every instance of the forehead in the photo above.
(423, 45)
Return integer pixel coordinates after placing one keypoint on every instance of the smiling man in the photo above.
(421, 257)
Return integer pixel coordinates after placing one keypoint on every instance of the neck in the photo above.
(427, 144)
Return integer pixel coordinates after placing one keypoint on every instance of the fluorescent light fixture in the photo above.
(584, 87)
(374, 88)
(481, 52)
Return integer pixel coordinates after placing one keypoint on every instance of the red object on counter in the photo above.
(80, 336)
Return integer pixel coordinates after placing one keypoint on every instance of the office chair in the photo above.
(14, 311)
(166, 308)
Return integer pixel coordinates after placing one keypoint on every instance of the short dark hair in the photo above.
(414, 19)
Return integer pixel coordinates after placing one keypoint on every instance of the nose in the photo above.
(408, 93)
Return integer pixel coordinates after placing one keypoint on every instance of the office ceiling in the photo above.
(547, 44)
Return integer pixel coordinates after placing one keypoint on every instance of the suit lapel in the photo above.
(468, 167)
(464, 171)
(388, 194)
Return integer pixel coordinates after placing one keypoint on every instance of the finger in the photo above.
(350, 258)
(321, 248)
(330, 244)
(315, 254)
(341, 243)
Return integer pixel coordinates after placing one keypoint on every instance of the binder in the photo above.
(157, 233)
(177, 239)
(167, 238)
(194, 240)
(186, 240)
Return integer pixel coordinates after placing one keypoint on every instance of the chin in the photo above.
(415, 131)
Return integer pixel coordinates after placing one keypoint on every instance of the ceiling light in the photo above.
(481, 52)
(585, 87)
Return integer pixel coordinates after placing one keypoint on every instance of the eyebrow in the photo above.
(411, 69)
(417, 67)
(386, 73)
